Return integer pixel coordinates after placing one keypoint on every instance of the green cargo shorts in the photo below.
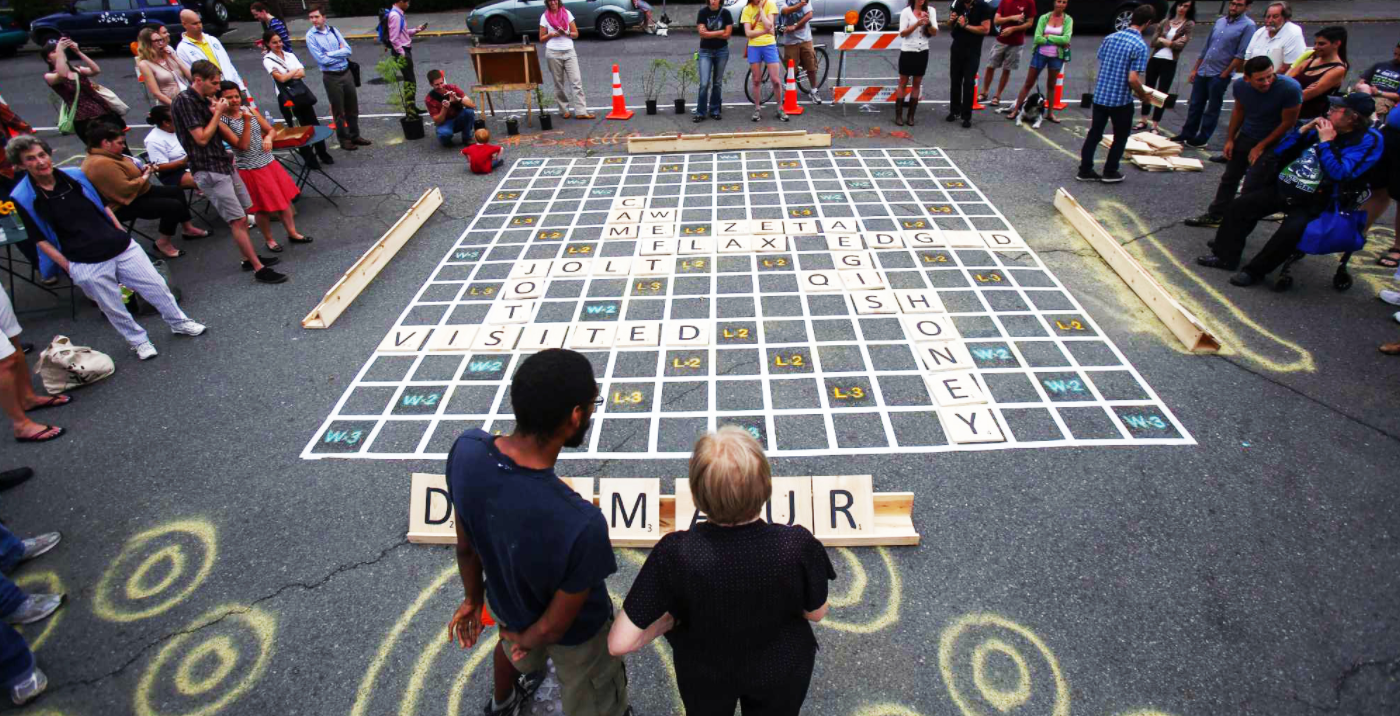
(595, 683)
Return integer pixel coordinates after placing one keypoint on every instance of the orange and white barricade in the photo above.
(863, 90)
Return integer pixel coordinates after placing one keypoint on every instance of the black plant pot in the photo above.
(546, 122)
(680, 106)
(512, 126)
(651, 106)
(412, 127)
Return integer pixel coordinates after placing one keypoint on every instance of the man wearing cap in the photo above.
(1329, 156)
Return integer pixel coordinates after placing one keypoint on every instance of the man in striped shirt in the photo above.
(273, 23)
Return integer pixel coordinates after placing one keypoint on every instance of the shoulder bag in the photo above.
(110, 98)
(294, 91)
(354, 66)
(1334, 231)
(64, 366)
(67, 113)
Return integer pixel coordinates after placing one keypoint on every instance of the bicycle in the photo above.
(802, 80)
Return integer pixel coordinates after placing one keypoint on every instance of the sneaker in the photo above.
(1243, 278)
(266, 261)
(816, 98)
(783, 117)
(36, 607)
(967, 123)
(36, 546)
(146, 351)
(1275, 217)
(269, 275)
(1179, 138)
(1112, 177)
(30, 688)
(1090, 175)
(757, 115)
(1215, 262)
(952, 117)
(1391, 297)
(697, 118)
(717, 116)
(1197, 143)
(522, 690)
(1204, 221)
(1218, 159)
(187, 328)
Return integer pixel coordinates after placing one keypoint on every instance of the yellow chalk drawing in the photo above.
(1122, 221)
(1001, 700)
(140, 599)
(855, 586)
(889, 616)
(42, 583)
(193, 678)
(459, 685)
(886, 710)
(362, 695)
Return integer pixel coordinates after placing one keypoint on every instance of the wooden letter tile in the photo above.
(620, 231)
(657, 231)
(496, 339)
(732, 227)
(523, 288)
(791, 503)
(884, 240)
(943, 356)
(687, 514)
(843, 506)
(766, 226)
(452, 339)
(686, 334)
(530, 269)
(818, 281)
(970, 424)
(735, 244)
(619, 266)
(629, 202)
(955, 388)
(571, 268)
(510, 312)
(1003, 240)
(625, 216)
(963, 239)
(657, 247)
(916, 300)
(539, 336)
(696, 246)
(405, 339)
(929, 327)
(840, 226)
(862, 280)
(770, 244)
(922, 239)
(638, 334)
(843, 242)
(651, 266)
(632, 507)
(660, 216)
(874, 302)
(592, 336)
(799, 227)
(852, 260)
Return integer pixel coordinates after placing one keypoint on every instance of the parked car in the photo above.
(875, 15)
(506, 20)
(1113, 15)
(114, 24)
(12, 33)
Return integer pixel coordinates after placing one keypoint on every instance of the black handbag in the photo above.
(294, 91)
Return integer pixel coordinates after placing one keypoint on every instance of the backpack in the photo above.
(383, 29)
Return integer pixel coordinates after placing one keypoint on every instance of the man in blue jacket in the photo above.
(1325, 158)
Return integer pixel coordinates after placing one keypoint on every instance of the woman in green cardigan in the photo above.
(1049, 51)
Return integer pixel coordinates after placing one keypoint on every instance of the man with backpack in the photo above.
(396, 35)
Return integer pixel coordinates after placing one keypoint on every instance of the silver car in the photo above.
(506, 20)
(875, 15)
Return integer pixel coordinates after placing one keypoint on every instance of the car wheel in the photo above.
(220, 11)
(1123, 16)
(610, 26)
(874, 19)
(498, 30)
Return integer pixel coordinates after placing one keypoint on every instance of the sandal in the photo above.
(55, 401)
(1391, 349)
(275, 247)
(303, 239)
(48, 433)
(1391, 259)
(178, 253)
(1051, 118)
(585, 115)
(202, 234)
(1140, 126)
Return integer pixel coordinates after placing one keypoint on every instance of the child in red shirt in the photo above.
(483, 156)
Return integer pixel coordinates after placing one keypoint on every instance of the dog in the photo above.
(1033, 110)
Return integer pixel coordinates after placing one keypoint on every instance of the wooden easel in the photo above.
(497, 71)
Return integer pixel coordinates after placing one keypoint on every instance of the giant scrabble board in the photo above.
(829, 301)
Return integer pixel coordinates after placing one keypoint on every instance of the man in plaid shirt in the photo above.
(1122, 62)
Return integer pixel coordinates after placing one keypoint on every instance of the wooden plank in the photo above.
(726, 142)
(1187, 328)
(431, 516)
(349, 286)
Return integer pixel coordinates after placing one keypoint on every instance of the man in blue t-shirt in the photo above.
(1266, 107)
(542, 548)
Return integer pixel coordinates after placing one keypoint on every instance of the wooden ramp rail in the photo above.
(349, 286)
(727, 141)
(1182, 322)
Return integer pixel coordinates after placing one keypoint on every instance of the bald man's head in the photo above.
(194, 26)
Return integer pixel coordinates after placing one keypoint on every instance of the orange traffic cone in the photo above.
(619, 110)
(977, 90)
(1059, 102)
(790, 92)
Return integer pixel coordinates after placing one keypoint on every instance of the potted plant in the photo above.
(546, 119)
(401, 95)
(655, 82)
(687, 76)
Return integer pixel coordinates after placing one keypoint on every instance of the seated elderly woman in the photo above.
(734, 595)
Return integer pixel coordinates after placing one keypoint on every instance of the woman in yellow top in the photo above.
(758, 18)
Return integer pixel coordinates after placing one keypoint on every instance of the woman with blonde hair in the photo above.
(164, 74)
(734, 595)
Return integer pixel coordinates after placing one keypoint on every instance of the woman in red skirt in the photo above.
(269, 185)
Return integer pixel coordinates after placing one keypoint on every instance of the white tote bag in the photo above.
(64, 366)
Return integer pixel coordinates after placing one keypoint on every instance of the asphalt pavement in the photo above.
(210, 570)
